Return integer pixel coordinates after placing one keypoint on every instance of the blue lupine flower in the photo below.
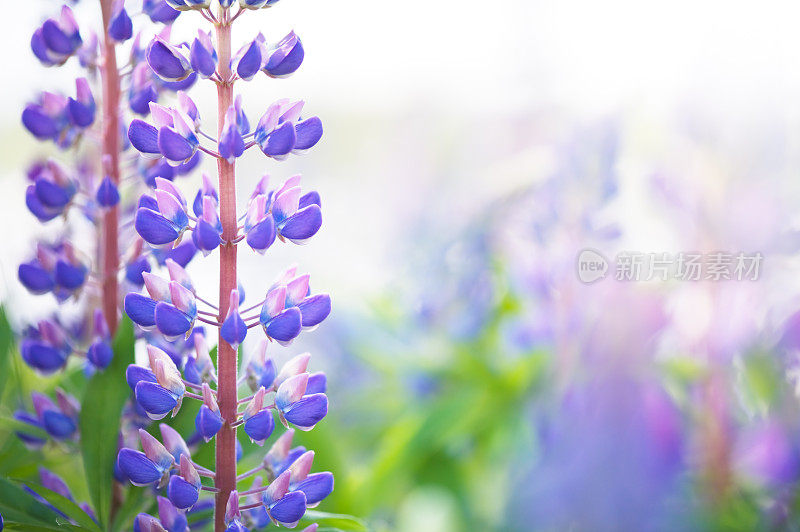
(209, 419)
(107, 193)
(296, 407)
(231, 143)
(54, 269)
(233, 329)
(247, 61)
(233, 517)
(258, 422)
(100, 352)
(167, 61)
(297, 218)
(281, 131)
(149, 467)
(57, 39)
(162, 221)
(178, 310)
(260, 370)
(81, 108)
(142, 90)
(173, 442)
(184, 488)
(202, 55)
(206, 189)
(51, 191)
(283, 506)
(120, 27)
(289, 307)
(159, 11)
(164, 394)
(59, 420)
(207, 232)
(46, 347)
(284, 58)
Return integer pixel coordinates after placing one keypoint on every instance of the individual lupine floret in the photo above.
(316, 486)
(172, 137)
(284, 507)
(170, 519)
(207, 232)
(199, 368)
(162, 220)
(233, 329)
(247, 61)
(209, 419)
(171, 307)
(206, 189)
(167, 61)
(59, 420)
(54, 269)
(282, 59)
(258, 421)
(142, 90)
(31, 441)
(289, 308)
(282, 455)
(51, 190)
(46, 347)
(82, 108)
(256, 4)
(57, 39)
(296, 407)
(160, 389)
(100, 352)
(260, 371)
(202, 55)
(183, 489)
(297, 217)
(259, 225)
(233, 517)
(281, 131)
(151, 467)
(231, 143)
(120, 27)
(107, 194)
(159, 11)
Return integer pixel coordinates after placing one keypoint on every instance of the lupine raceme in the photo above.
(172, 312)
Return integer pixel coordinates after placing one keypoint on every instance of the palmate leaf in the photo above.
(65, 506)
(106, 393)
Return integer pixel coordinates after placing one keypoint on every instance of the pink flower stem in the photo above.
(109, 244)
(226, 355)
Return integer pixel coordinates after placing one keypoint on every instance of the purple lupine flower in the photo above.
(120, 27)
(55, 269)
(59, 419)
(281, 131)
(202, 55)
(142, 90)
(107, 193)
(298, 408)
(160, 389)
(57, 39)
(258, 422)
(208, 420)
(231, 143)
(247, 61)
(30, 441)
(184, 488)
(260, 370)
(289, 307)
(297, 217)
(167, 61)
(81, 108)
(159, 11)
(162, 220)
(284, 507)
(100, 352)
(207, 233)
(46, 347)
(233, 329)
(51, 190)
(284, 58)
(149, 466)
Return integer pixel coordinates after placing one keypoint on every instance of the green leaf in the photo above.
(136, 501)
(6, 343)
(65, 506)
(327, 520)
(106, 393)
(17, 505)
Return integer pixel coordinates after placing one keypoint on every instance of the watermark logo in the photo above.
(592, 266)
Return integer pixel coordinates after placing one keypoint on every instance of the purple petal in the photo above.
(135, 374)
(233, 330)
(39, 123)
(285, 326)
(139, 469)
(207, 422)
(262, 235)
(170, 321)
(287, 58)
(100, 354)
(260, 426)
(316, 487)
(249, 62)
(317, 383)
(308, 133)
(156, 400)
(143, 136)
(289, 509)
(167, 61)
(154, 228)
(173, 146)
(303, 224)
(58, 425)
(120, 28)
(141, 309)
(202, 60)
(310, 198)
(35, 278)
(181, 493)
(107, 193)
(280, 141)
(308, 411)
